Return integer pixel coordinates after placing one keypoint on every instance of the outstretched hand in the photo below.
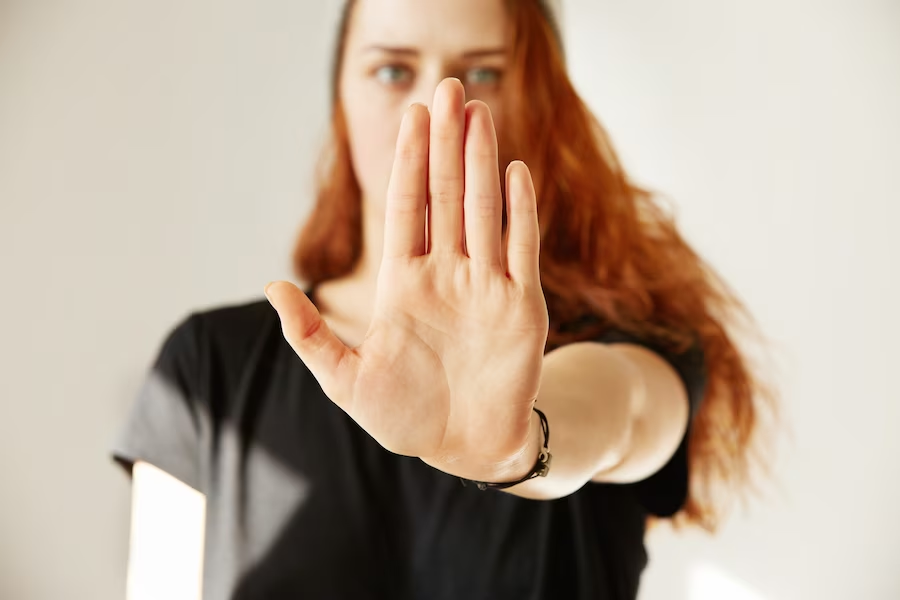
(451, 364)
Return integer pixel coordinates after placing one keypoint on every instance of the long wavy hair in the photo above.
(608, 251)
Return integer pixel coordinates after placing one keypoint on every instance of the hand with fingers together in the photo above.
(450, 367)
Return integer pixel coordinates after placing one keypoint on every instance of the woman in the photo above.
(434, 346)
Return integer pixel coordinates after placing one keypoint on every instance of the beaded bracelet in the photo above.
(540, 469)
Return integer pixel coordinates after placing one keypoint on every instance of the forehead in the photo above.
(430, 25)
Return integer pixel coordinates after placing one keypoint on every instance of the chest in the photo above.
(303, 503)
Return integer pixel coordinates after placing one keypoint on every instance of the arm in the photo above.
(617, 413)
(167, 529)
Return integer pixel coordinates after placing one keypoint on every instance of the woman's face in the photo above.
(396, 52)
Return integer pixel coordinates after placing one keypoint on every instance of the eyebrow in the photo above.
(479, 53)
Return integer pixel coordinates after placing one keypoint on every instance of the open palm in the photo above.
(451, 363)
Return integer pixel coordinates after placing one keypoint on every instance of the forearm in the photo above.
(592, 395)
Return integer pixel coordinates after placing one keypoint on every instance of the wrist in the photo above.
(530, 460)
(524, 461)
(540, 467)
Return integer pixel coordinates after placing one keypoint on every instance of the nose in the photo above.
(426, 85)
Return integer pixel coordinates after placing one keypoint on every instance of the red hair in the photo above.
(607, 250)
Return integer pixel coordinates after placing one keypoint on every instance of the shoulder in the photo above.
(218, 339)
(232, 319)
(233, 324)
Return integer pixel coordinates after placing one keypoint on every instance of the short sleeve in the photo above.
(162, 426)
(664, 493)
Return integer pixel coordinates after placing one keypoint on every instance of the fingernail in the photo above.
(266, 290)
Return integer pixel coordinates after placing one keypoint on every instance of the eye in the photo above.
(393, 74)
(483, 76)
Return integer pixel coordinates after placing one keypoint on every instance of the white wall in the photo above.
(775, 127)
(156, 157)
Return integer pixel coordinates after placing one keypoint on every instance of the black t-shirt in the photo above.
(303, 503)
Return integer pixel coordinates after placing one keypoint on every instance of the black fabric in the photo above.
(302, 503)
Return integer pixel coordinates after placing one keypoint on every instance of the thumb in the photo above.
(333, 364)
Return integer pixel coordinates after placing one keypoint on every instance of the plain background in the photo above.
(156, 157)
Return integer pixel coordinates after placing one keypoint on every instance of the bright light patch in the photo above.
(706, 582)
